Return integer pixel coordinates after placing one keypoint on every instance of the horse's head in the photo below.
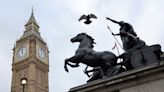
(86, 39)
(78, 38)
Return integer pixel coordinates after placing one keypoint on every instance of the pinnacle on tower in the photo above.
(32, 20)
(31, 27)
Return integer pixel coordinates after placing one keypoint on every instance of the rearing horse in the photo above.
(86, 55)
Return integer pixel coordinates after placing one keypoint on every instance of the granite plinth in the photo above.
(145, 79)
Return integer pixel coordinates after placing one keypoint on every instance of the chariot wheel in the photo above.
(142, 58)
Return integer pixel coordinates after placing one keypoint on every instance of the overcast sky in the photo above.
(58, 21)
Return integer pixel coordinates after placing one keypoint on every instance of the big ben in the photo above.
(30, 61)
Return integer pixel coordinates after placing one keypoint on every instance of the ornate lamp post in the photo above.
(24, 82)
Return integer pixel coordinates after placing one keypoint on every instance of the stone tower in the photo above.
(30, 60)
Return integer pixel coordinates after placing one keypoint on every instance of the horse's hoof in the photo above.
(66, 69)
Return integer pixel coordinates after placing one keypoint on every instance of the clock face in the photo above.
(22, 52)
(41, 53)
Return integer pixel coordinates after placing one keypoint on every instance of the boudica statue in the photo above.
(137, 54)
(85, 54)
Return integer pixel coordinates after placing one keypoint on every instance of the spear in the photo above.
(115, 46)
(114, 37)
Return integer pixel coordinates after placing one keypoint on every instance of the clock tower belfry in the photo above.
(30, 61)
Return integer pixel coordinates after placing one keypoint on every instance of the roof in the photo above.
(32, 20)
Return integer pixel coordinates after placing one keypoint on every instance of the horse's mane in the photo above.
(91, 39)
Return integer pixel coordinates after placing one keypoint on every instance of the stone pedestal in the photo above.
(144, 79)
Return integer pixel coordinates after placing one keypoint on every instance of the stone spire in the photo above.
(32, 24)
(31, 20)
(31, 27)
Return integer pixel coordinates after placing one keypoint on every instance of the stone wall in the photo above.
(145, 79)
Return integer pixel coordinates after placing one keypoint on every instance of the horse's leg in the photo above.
(74, 59)
(86, 72)
(65, 65)
(96, 75)
(102, 73)
(76, 65)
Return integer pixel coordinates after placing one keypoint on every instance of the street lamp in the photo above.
(24, 82)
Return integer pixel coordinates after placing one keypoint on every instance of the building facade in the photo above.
(30, 60)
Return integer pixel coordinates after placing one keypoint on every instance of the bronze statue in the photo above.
(137, 53)
(85, 54)
(127, 34)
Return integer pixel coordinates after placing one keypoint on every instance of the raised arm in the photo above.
(112, 20)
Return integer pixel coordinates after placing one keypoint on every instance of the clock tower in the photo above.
(30, 61)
